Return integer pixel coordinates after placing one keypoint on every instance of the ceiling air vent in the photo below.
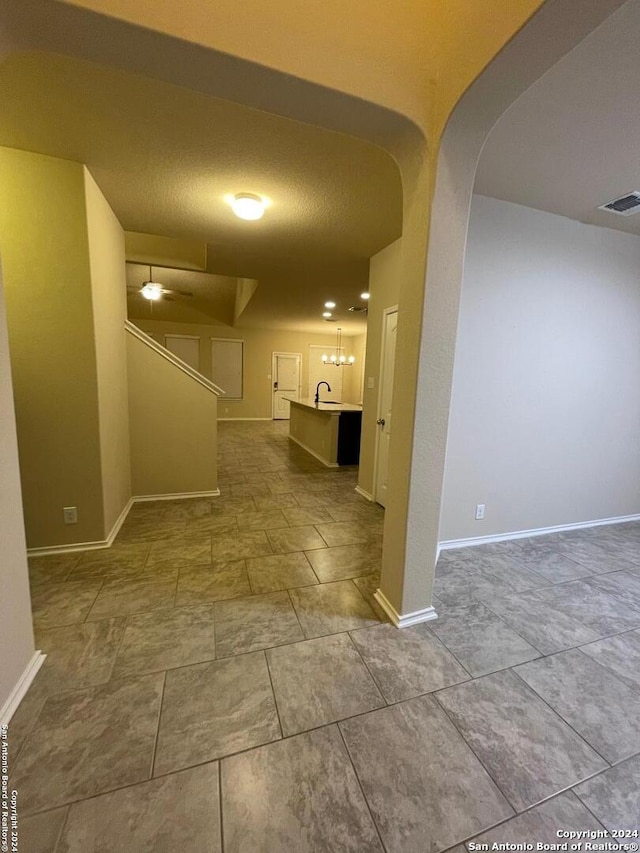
(626, 205)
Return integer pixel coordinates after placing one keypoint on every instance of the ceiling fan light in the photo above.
(248, 206)
(152, 291)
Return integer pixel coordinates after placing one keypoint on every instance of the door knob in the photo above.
(380, 421)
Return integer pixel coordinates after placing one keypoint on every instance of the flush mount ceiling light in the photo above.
(365, 295)
(329, 304)
(338, 357)
(326, 314)
(248, 206)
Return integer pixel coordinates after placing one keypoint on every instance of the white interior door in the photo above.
(286, 383)
(388, 359)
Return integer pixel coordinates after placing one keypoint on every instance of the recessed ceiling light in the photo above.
(248, 206)
(365, 295)
(329, 304)
(326, 314)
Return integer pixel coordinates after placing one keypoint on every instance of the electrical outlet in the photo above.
(479, 512)
(70, 514)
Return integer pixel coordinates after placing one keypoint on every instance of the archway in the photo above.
(553, 31)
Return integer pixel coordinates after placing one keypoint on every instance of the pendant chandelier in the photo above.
(338, 358)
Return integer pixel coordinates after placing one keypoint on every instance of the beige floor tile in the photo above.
(156, 641)
(270, 519)
(346, 561)
(330, 608)
(280, 571)
(258, 622)
(320, 681)
(343, 533)
(120, 598)
(295, 539)
(216, 582)
(177, 812)
(215, 709)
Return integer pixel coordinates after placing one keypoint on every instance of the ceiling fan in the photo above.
(153, 291)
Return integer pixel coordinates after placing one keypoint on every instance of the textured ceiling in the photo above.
(166, 157)
(212, 299)
(570, 143)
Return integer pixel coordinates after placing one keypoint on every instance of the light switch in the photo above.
(371, 383)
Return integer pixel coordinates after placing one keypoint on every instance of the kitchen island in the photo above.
(328, 431)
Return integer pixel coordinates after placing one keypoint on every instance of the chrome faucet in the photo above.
(317, 400)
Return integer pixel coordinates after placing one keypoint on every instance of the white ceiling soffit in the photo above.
(570, 142)
(167, 158)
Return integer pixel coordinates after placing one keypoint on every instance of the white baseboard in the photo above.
(248, 419)
(313, 453)
(70, 548)
(538, 531)
(364, 494)
(19, 691)
(407, 619)
(177, 496)
(119, 522)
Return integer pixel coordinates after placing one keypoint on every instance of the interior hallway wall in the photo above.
(16, 632)
(259, 344)
(109, 293)
(47, 276)
(353, 385)
(173, 426)
(63, 258)
(384, 287)
(545, 412)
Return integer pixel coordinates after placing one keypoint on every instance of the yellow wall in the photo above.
(173, 424)
(108, 287)
(63, 253)
(415, 57)
(259, 344)
(384, 287)
(44, 246)
(16, 632)
(352, 383)
(469, 35)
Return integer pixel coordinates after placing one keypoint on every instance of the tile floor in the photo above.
(222, 680)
